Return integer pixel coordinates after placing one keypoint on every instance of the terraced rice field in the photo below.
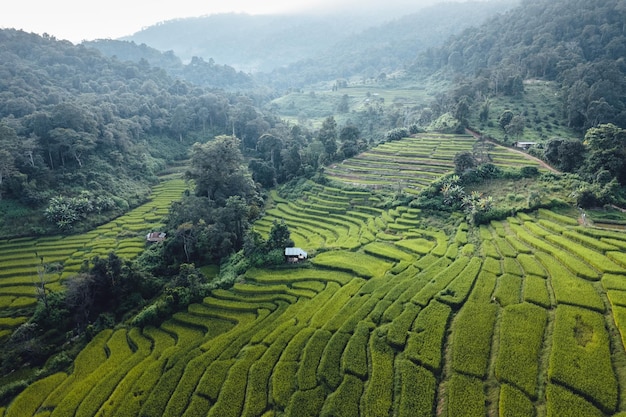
(389, 319)
(414, 163)
(21, 259)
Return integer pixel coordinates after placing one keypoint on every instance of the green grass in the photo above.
(418, 389)
(561, 402)
(378, 395)
(363, 265)
(568, 288)
(465, 396)
(426, 338)
(513, 402)
(521, 337)
(472, 330)
(581, 357)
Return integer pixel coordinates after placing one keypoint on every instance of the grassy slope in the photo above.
(540, 105)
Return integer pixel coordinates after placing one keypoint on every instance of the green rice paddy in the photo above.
(23, 260)
(525, 316)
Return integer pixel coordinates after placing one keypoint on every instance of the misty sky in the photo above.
(76, 20)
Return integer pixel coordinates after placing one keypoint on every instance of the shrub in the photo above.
(397, 134)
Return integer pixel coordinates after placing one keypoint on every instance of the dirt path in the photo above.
(524, 154)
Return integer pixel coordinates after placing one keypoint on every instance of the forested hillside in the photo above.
(296, 50)
(457, 216)
(386, 48)
(581, 45)
(93, 132)
(204, 73)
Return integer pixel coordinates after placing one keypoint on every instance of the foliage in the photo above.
(607, 151)
(530, 43)
(463, 161)
(64, 211)
(397, 134)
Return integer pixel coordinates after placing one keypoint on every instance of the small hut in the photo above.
(154, 237)
(524, 145)
(294, 255)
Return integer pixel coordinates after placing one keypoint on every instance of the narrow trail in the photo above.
(524, 154)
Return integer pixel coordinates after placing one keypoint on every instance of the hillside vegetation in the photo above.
(448, 268)
(520, 315)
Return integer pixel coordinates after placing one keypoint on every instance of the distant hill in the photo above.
(388, 47)
(264, 43)
(198, 71)
(248, 43)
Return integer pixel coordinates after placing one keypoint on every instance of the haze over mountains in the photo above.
(266, 42)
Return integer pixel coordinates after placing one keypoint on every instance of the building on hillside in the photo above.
(524, 145)
(155, 237)
(294, 255)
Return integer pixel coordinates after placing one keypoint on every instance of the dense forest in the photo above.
(88, 134)
(580, 45)
(197, 71)
(104, 141)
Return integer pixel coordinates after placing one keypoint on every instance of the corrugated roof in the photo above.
(295, 252)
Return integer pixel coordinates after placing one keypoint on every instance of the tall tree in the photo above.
(217, 169)
(606, 145)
